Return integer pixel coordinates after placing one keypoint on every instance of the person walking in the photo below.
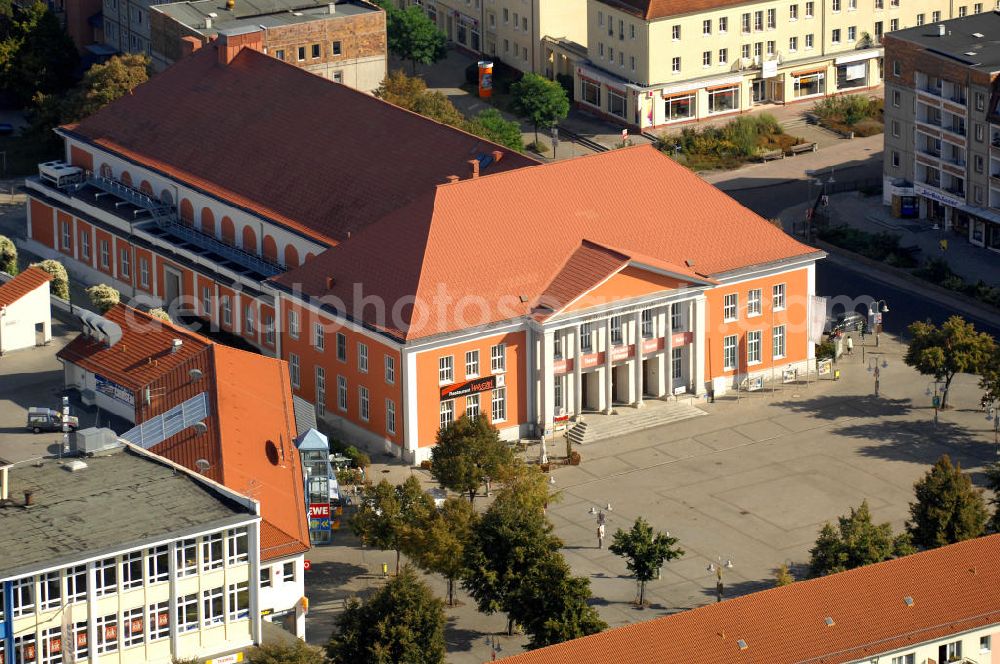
(850, 345)
(600, 536)
(864, 331)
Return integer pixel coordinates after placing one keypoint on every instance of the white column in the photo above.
(659, 331)
(690, 347)
(698, 341)
(669, 351)
(547, 379)
(577, 372)
(637, 335)
(609, 395)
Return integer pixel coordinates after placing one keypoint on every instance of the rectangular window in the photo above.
(935, 16)
(76, 584)
(186, 554)
(446, 369)
(362, 357)
(895, 159)
(835, 5)
(770, 47)
(835, 36)
(498, 358)
(125, 263)
(952, 651)
(107, 576)
(729, 353)
(187, 613)
(980, 101)
(447, 413)
(211, 552)
(675, 32)
(249, 318)
(280, 54)
(745, 23)
(723, 24)
(80, 638)
(852, 33)
(984, 641)
(753, 347)
(758, 20)
(342, 393)
(25, 649)
(132, 570)
(212, 607)
(793, 13)
(472, 406)
(206, 301)
(105, 255)
(809, 41)
(706, 30)
(293, 369)
(390, 369)
(319, 337)
(809, 9)
(49, 593)
(288, 573)
(85, 246)
(676, 319)
(471, 363)
(977, 8)
(772, 19)
(894, 23)
(647, 322)
(158, 564)
(499, 404)
(778, 296)
(227, 310)
(778, 342)
(293, 324)
(65, 234)
(315, 51)
(723, 56)
(237, 547)
(143, 272)
(905, 659)
(557, 394)
(265, 577)
(341, 346)
(238, 600)
(363, 402)
(753, 302)
(269, 329)
(962, 12)
(675, 65)
(107, 633)
(677, 363)
(159, 621)
(920, 19)
(616, 329)
(980, 132)
(52, 646)
(335, 48)
(557, 345)
(390, 416)
(729, 307)
(706, 59)
(133, 625)
(793, 43)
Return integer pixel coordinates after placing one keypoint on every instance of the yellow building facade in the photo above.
(652, 68)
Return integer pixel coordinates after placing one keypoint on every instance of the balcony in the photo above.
(219, 253)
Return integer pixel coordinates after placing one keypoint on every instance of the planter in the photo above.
(545, 467)
(574, 459)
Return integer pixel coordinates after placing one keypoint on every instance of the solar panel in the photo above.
(157, 429)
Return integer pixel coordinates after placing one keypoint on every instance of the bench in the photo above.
(768, 155)
(802, 147)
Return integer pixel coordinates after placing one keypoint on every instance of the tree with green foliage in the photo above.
(943, 352)
(161, 313)
(400, 622)
(36, 54)
(388, 515)
(298, 652)
(552, 605)
(439, 542)
(948, 508)
(992, 472)
(644, 552)
(855, 542)
(60, 278)
(468, 453)
(783, 576)
(542, 101)
(989, 375)
(412, 36)
(103, 297)
(491, 125)
(411, 93)
(8, 256)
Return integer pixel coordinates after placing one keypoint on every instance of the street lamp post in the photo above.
(994, 416)
(717, 568)
(602, 518)
(875, 369)
(935, 396)
(879, 307)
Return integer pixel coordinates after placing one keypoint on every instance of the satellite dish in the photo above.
(200, 427)
(202, 465)
(195, 375)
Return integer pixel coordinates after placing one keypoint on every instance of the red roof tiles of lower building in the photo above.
(22, 284)
(873, 610)
(497, 243)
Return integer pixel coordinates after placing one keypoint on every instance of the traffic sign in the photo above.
(307, 565)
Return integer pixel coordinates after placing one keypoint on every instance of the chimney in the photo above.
(329, 283)
(474, 163)
(452, 179)
(208, 23)
(497, 156)
(942, 30)
(189, 45)
(333, 7)
(28, 495)
(176, 345)
(230, 45)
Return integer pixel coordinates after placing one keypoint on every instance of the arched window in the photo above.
(228, 231)
(126, 179)
(207, 222)
(270, 248)
(187, 212)
(291, 257)
(250, 240)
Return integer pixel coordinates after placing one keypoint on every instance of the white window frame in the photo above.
(85, 245)
(294, 369)
(154, 558)
(362, 357)
(213, 553)
(153, 626)
(130, 563)
(364, 403)
(472, 406)
(319, 337)
(730, 307)
(616, 330)
(103, 644)
(293, 324)
(320, 383)
(47, 654)
(237, 546)
(471, 363)
(206, 301)
(754, 302)
(342, 393)
(76, 584)
(46, 599)
(447, 413)
(132, 637)
(730, 349)
(778, 342)
(186, 565)
(390, 416)
(753, 347)
(213, 607)
(778, 297)
(234, 610)
(446, 369)
(390, 369)
(341, 347)
(248, 319)
(498, 404)
(125, 264)
(227, 310)
(105, 255)
(102, 568)
(183, 621)
(646, 323)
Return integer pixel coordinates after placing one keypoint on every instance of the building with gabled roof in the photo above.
(220, 411)
(25, 310)
(941, 605)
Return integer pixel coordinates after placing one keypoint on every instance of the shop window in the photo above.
(721, 100)
(591, 93)
(679, 107)
(616, 103)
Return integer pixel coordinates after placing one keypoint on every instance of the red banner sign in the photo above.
(319, 510)
(682, 339)
(476, 386)
(591, 360)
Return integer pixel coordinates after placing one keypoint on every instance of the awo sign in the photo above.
(475, 386)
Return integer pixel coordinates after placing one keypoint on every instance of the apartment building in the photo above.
(935, 606)
(657, 63)
(219, 411)
(542, 36)
(942, 128)
(123, 556)
(618, 304)
(342, 41)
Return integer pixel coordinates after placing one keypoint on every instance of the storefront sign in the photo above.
(824, 367)
(476, 386)
(935, 195)
(113, 390)
(652, 345)
(562, 366)
(234, 658)
(621, 352)
(681, 339)
(770, 69)
(319, 510)
(591, 360)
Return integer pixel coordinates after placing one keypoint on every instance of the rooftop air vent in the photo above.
(977, 35)
(829, 621)
(908, 600)
(742, 644)
(195, 375)
(202, 465)
(176, 345)
(74, 465)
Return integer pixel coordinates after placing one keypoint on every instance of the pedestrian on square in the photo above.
(600, 536)
(850, 345)
(864, 331)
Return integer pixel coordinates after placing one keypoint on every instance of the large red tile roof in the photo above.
(499, 242)
(285, 143)
(651, 10)
(22, 284)
(250, 405)
(954, 589)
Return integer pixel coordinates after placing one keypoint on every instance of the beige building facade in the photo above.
(653, 65)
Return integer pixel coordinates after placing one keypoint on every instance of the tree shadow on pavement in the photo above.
(738, 588)
(920, 442)
(832, 407)
(458, 639)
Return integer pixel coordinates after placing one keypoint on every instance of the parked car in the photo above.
(846, 322)
(46, 419)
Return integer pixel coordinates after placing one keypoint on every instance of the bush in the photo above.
(858, 113)
(825, 350)
(60, 278)
(103, 297)
(8, 256)
(347, 476)
(359, 458)
(537, 146)
(159, 312)
(728, 146)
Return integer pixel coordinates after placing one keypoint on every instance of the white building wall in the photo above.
(281, 602)
(18, 320)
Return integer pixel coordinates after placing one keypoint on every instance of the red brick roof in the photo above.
(22, 284)
(955, 588)
(250, 404)
(284, 143)
(653, 9)
(500, 241)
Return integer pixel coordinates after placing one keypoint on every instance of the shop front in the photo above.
(809, 83)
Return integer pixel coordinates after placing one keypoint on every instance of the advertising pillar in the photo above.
(485, 79)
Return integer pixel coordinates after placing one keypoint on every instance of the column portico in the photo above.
(698, 341)
(669, 351)
(638, 373)
(577, 373)
(609, 393)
